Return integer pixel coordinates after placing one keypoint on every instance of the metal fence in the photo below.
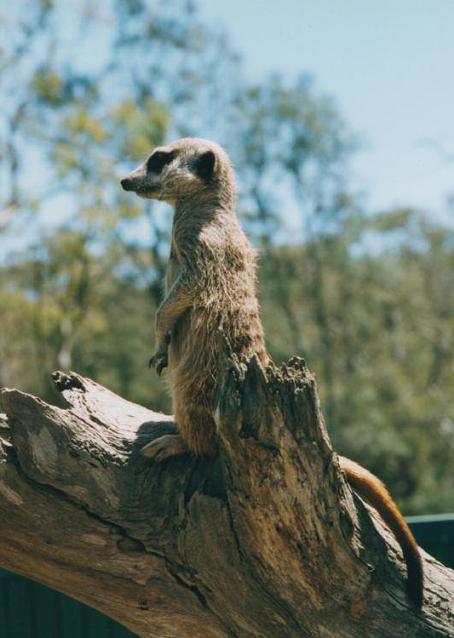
(29, 610)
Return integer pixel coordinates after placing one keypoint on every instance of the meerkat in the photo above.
(211, 284)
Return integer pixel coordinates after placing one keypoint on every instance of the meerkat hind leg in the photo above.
(164, 447)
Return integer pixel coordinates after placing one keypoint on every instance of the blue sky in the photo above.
(389, 64)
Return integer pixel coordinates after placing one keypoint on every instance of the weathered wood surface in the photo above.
(267, 541)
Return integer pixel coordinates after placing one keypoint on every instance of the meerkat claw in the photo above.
(163, 363)
(158, 361)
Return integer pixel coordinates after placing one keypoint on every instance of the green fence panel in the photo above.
(435, 534)
(30, 610)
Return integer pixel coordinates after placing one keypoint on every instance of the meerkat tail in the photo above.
(371, 489)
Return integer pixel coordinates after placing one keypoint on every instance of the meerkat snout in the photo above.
(127, 184)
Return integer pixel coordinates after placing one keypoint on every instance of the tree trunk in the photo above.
(266, 541)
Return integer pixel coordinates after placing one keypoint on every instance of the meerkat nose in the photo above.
(126, 184)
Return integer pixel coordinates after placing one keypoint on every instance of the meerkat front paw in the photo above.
(164, 447)
(160, 359)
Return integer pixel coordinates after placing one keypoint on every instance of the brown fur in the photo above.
(371, 489)
(210, 284)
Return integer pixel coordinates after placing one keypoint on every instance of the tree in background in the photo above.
(367, 299)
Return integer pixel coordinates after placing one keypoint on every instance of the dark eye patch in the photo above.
(158, 160)
(204, 165)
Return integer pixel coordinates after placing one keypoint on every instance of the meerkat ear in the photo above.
(204, 166)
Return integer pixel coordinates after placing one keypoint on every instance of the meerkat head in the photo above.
(183, 169)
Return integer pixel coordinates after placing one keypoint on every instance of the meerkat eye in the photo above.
(158, 160)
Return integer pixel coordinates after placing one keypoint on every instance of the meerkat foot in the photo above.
(165, 447)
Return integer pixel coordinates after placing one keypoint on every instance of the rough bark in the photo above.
(266, 541)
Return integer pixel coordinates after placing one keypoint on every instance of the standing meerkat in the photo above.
(211, 284)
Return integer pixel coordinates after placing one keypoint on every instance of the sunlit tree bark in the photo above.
(268, 540)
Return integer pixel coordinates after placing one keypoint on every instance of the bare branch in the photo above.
(266, 541)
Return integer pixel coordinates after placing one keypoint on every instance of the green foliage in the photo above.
(47, 85)
(390, 319)
(141, 128)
